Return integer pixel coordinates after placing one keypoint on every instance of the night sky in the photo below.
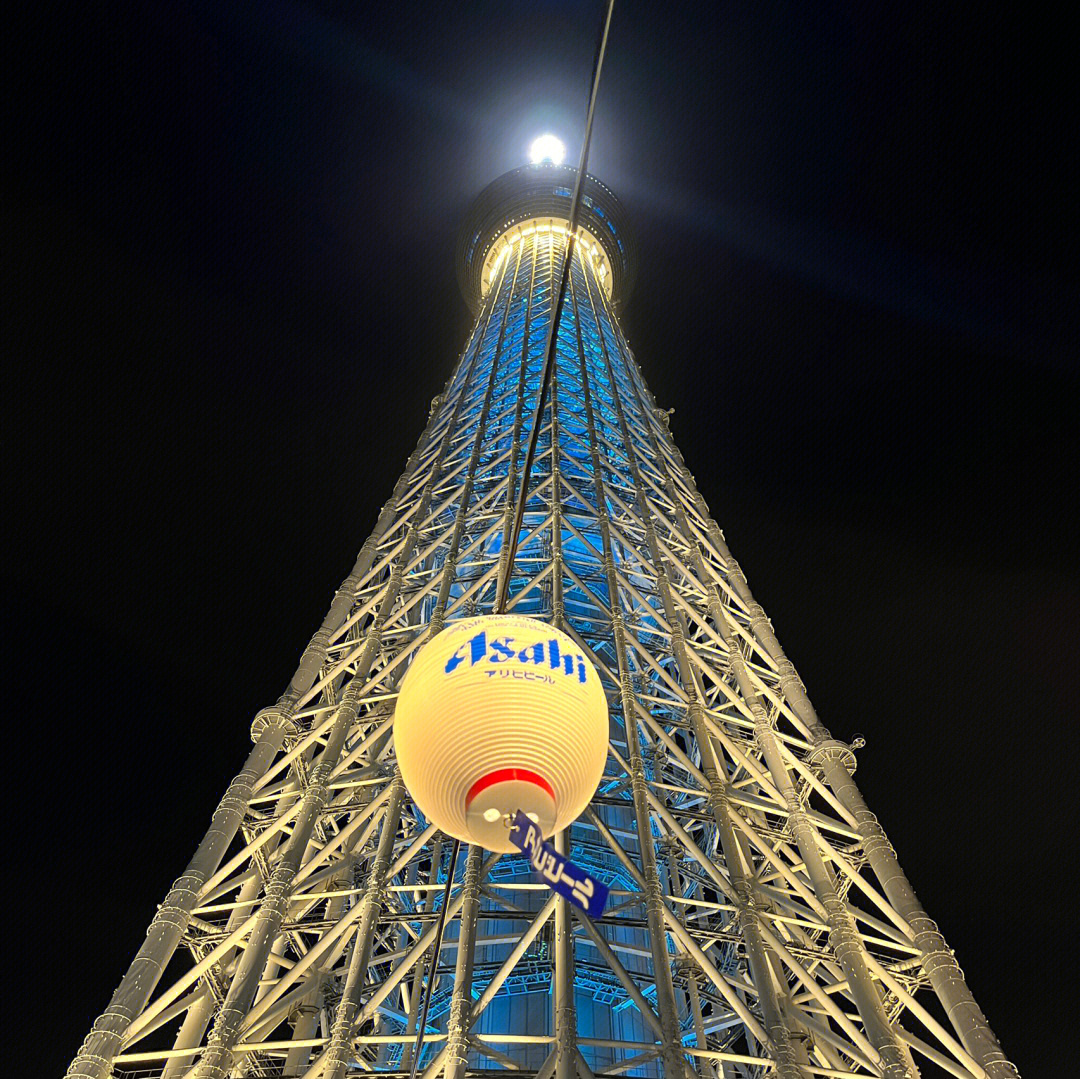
(231, 297)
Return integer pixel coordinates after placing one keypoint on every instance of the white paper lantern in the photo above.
(496, 714)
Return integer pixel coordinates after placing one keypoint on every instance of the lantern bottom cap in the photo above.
(494, 799)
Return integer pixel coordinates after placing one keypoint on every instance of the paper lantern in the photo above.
(496, 714)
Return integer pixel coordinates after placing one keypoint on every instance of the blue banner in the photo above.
(569, 880)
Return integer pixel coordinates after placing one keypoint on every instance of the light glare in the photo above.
(547, 148)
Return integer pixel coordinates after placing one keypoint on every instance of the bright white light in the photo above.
(547, 148)
(491, 815)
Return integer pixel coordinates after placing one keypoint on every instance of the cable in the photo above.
(552, 335)
(441, 925)
(530, 454)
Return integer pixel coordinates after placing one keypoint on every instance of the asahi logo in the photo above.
(507, 658)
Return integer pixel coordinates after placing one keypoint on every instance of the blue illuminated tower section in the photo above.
(759, 923)
(512, 245)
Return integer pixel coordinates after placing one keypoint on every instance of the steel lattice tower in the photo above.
(759, 924)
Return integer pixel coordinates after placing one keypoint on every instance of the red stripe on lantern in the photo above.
(506, 775)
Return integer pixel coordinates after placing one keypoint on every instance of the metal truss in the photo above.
(759, 923)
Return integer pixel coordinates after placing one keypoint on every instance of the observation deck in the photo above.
(538, 197)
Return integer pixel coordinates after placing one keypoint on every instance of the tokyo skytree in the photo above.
(758, 921)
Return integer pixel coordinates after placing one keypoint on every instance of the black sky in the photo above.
(231, 297)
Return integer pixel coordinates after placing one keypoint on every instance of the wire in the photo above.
(552, 334)
(530, 454)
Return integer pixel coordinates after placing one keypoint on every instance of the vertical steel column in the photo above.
(671, 1042)
(702, 1065)
(201, 1011)
(457, 1025)
(668, 850)
(562, 999)
(417, 990)
(306, 1019)
(844, 937)
(515, 437)
(306, 1013)
(449, 571)
(336, 1057)
(680, 932)
(741, 875)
